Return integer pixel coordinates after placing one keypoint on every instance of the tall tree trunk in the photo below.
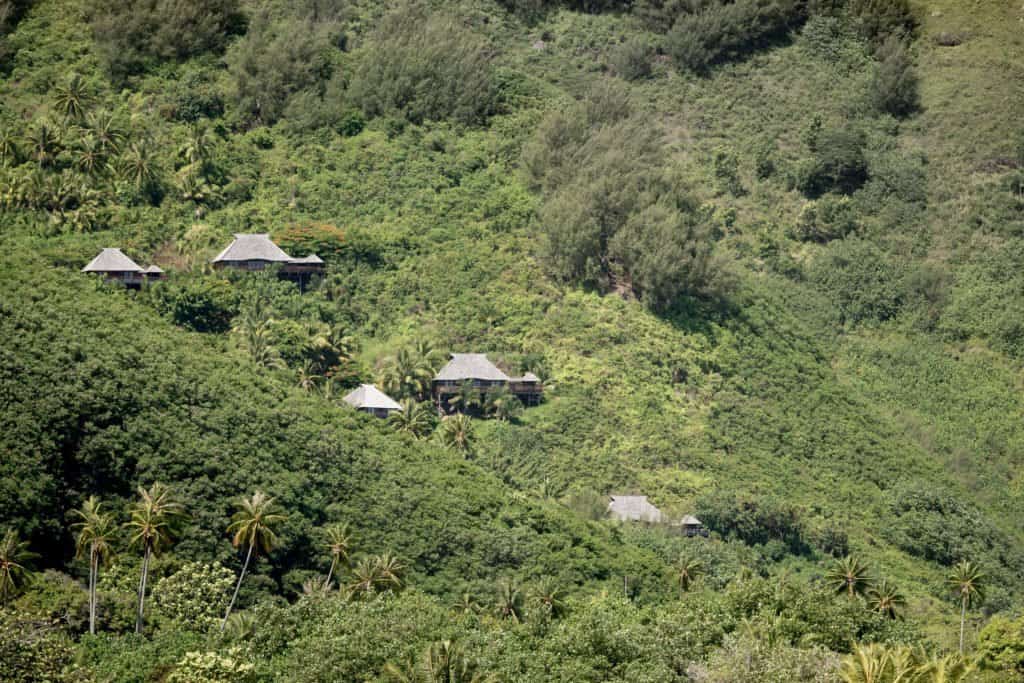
(330, 572)
(142, 590)
(963, 616)
(231, 605)
(92, 590)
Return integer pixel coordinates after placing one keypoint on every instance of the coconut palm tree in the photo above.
(414, 418)
(457, 433)
(968, 584)
(550, 598)
(103, 125)
(308, 377)
(253, 329)
(509, 604)
(252, 526)
(466, 604)
(43, 143)
(407, 375)
(687, 571)
(503, 404)
(10, 150)
(441, 662)
(72, 97)
(866, 664)
(95, 534)
(365, 579)
(140, 167)
(952, 668)
(390, 572)
(885, 598)
(89, 157)
(848, 575)
(241, 626)
(14, 565)
(156, 519)
(339, 544)
(467, 399)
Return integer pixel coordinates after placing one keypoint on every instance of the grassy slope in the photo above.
(776, 401)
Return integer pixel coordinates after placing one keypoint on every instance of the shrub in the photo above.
(828, 218)
(277, 59)
(863, 283)
(632, 60)
(727, 171)
(879, 19)
(728, 30)
(894, 86)
(134, 34)
(194, 597)
(425, 67)
(837, 163)
(755, 520)
(213, 667)
(200, 304)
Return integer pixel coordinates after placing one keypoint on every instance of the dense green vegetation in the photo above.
(765, 255)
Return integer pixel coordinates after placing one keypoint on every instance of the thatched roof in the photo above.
(464, 366)
(634, 509)
(112, 261)
(154, 270)
(253, 247)
(690, 520)
(529, 377)
(312, 259)
(369, 396)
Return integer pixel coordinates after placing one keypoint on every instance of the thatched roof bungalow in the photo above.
(370, 399)
(115, 266)
(635, 509)
(256, 251)
(485, 375)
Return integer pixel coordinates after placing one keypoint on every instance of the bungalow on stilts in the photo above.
(484, 376)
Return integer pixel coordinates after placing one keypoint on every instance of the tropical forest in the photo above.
(480, 341)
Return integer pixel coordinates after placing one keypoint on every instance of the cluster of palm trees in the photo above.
(852, 577)
(880, 664)
(441, 662)
(156, 520)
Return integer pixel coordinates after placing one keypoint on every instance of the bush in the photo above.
(277, 59)
(632, 60)
(879, 19)
(132, 35)
(425, 67)
(194, 597)
(828, 218)
(201, 304)
(837, 163)
(729, 30)
(894, 86)
(213, 667)
(755, 520)
(863, 283)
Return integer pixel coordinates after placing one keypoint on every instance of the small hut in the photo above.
(251, 252)
(693, 526)
(116, 267)
(154, 273)
(485, 375)
(372, 400)
(634, 509)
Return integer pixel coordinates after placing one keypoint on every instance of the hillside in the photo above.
(765, 256)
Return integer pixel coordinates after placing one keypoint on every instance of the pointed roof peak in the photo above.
(112, 260)
(255, 246)
(369, 396)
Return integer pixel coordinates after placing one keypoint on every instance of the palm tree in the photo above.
(89, 157)
(252, 526)
(253, 327)
(389, 572)
(241, 626)
(407, 375)
(866, 664)
(885, 598)
(155, 522)
(457, 432)
(848, 575)
(43, 143)
(104, 126)
(95, 533)
(968, 584)
(365, 578)
(14, 565)
(687, 571)
(308, 377)
(466, 399)
(465, 605)
(339, 544)
(441, 662)
(414, 418)
(949, 669)
(73, 97)
(197, 149)
(10, 153)
(328, 347)
(140, 167)
(509, 604)
(550, 598)
(503, 404)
